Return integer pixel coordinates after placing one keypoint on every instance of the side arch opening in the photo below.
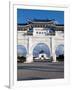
(60, 52)
(21, 53)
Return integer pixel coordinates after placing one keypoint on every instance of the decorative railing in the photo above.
(50, 34)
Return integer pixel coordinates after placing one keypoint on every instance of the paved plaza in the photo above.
(40, 70)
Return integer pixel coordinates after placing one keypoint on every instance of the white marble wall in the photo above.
(31, 41)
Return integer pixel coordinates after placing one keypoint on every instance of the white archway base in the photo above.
(54, 58)
(29, 59)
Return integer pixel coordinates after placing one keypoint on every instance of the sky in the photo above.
(23, 15)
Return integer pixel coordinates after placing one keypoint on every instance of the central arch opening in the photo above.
(41, 52)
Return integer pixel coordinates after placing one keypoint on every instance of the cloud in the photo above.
(56, 22)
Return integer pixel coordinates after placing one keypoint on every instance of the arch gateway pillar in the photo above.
(29, 57)
(53, 54)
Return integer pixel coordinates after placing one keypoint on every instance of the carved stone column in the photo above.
(29, 57)
(53, 50)
(54, 57)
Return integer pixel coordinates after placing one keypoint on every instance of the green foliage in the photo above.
(21, 59)
(60, 58)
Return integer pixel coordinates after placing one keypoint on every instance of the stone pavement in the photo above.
(40, 70)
